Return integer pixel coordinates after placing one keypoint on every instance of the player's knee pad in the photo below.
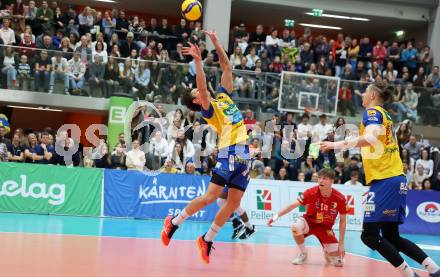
(221, 202)
(371, 240)
(240, 211)
(300, 227)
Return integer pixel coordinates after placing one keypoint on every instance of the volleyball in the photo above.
(191, 10)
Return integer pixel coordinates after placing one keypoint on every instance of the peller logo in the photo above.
(429, 212)
(264, 200)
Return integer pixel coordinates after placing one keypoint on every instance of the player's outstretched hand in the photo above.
(270, 222)
(193, 50)
(212, 35)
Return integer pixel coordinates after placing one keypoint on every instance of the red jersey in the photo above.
(323, 210)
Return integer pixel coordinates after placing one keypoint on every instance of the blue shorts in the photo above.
(232, 168)
(386, 200)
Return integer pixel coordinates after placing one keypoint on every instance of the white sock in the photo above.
(302, 248)
(405, 270)
(430, 265)
(240, 211)
(213, 230)
(180, 218)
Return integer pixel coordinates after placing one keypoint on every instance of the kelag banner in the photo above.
(137, 194)
(422, 213)
(50, 189)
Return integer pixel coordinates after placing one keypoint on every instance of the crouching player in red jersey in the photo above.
(323, 203)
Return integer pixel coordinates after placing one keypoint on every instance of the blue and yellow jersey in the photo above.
(225, 117)
(382, 164)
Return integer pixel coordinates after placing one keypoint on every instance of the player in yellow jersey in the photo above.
(386, 200)
(232, 169)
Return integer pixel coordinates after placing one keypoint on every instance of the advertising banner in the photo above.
(117, 117)
(422, 213)
(50, 189)
(263, 198)
(140, 195)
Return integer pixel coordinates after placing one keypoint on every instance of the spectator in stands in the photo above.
(44, 151)
(345, 100)
(43, 68)
(190, 168)
(135, 159)
(142, 79)
(85, 50)
(410, 101)
(307, 55)
(157, 152)
(26, 46)
(6, 33)
(436, 183)
(118, 157)
(96, 77)
(353, 166)
(408, 174)
(169, 167)
(60, 71)
(9, 67)
(103, 156)
(31, 148)
(434, 77)
(406, 158)
(379, 54)
(314, 178)
(390, 73)
(16, 150)
(267, 174)
(3, 152)
(45, 16)
(353, 52)
(327, 159)
(341, 59)
(409, 58)
(126, 76)
(426, 184)
(128, 45)
(76, 72)
(414, 147)
(365, 51)
(99, 50)
(301, 177)
(354, 180)
(321, 129)
(111, 77)
(236, 58)
(273, 43)
(305, 128)
(282, 175)
(308, 167)
(419, 176)
(176, 154)
(426, 162)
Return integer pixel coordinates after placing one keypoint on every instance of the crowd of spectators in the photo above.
(184, 145)
(45, 46)
(44, 43)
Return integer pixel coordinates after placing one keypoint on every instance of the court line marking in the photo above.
(226, 242)
(429, 247)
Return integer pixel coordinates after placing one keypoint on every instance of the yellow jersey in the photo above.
(380, 162)
(225, 117)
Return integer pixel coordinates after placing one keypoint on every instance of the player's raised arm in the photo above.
(370, 138)
(226, 67)
(283, 211)
(205, 97)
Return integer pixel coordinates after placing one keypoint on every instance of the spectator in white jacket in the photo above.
(135, 159)
(77, 69)
(157, 152)
(426, 162)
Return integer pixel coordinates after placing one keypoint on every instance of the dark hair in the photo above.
(187, 100)
(327, 172)
(385, 90)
